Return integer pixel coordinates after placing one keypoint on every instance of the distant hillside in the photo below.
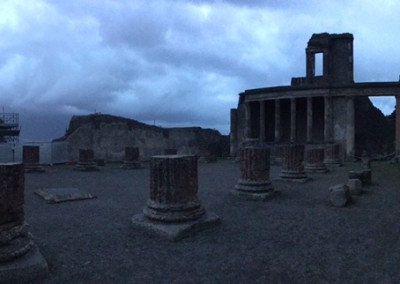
(108, 136)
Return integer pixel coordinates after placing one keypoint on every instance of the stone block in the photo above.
(339, 195)
(355, 186)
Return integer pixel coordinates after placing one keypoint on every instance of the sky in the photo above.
(173, 63)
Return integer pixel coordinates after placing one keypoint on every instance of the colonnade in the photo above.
(328, 121)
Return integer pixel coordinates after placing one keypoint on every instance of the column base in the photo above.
(25, 268)
(291, 176)
(257, 196)
(33, 169)
(333, 162)
(316, 169)
(90, 167)
(131, 165)
(175, 231)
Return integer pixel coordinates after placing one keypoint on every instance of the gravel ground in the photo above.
(297, 237)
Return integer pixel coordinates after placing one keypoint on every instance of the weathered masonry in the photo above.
(315, 110)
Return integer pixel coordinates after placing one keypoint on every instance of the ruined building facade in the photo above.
(314, 110)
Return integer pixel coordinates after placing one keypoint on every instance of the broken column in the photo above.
(131, 158)
(31, 159)
(332, 155)
(173, 209)
(254, 182)
(86, 161)
(315, 161)
(292, 163)
(20, 259)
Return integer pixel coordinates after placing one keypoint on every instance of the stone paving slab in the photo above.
(61, 194)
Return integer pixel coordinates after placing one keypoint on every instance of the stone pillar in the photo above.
(173, 208)
(254, 182)
(277, 121)
(247, 123)
(31, 158)
(328, 129)
(16, 243)
(350, 128)
(131, 160)
(332, 155)
(292, 120)
(315, 161)
(233, 134)
(398, 127)
(292, 163)
(309, 120)
(262, 121)
(86, 161)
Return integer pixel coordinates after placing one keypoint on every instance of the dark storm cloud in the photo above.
(173, 62)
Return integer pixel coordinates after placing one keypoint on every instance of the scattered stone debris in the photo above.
(339, 195)
(355, 186)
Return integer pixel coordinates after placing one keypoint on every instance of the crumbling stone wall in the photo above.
(109, 135)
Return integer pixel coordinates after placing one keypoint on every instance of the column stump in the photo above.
(292, 163)
(173, 209)
(131, 161)
(332, 155)
(86, 161)
(315, 161)
(254, 182)
(20, 258)
(31, 159)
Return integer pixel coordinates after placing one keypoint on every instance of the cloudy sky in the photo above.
(173, 63)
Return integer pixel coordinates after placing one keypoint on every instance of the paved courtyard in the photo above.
(297, 237)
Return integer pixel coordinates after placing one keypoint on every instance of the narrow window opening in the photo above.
(319, 64)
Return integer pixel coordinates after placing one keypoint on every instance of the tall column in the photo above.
(350, 133)
(328, 129)
(292, 120)
(262, 121)
(398, 126)
(277, 121)
(309, 120)
(233, 134)
(247, 124)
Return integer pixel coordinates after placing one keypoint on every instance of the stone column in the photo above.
(292, 163)
(277, 121)
(292, 120)
(31, 158)
(173, 207)
(16, 243)
(254, 182)
(332, 155)
(86, 161)
(233, 134)
(309, 120)
(398, 127)
(315, 161)
(350, 126)
(328, 129)
(131, 160)
(247, 124)
(262, 121)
